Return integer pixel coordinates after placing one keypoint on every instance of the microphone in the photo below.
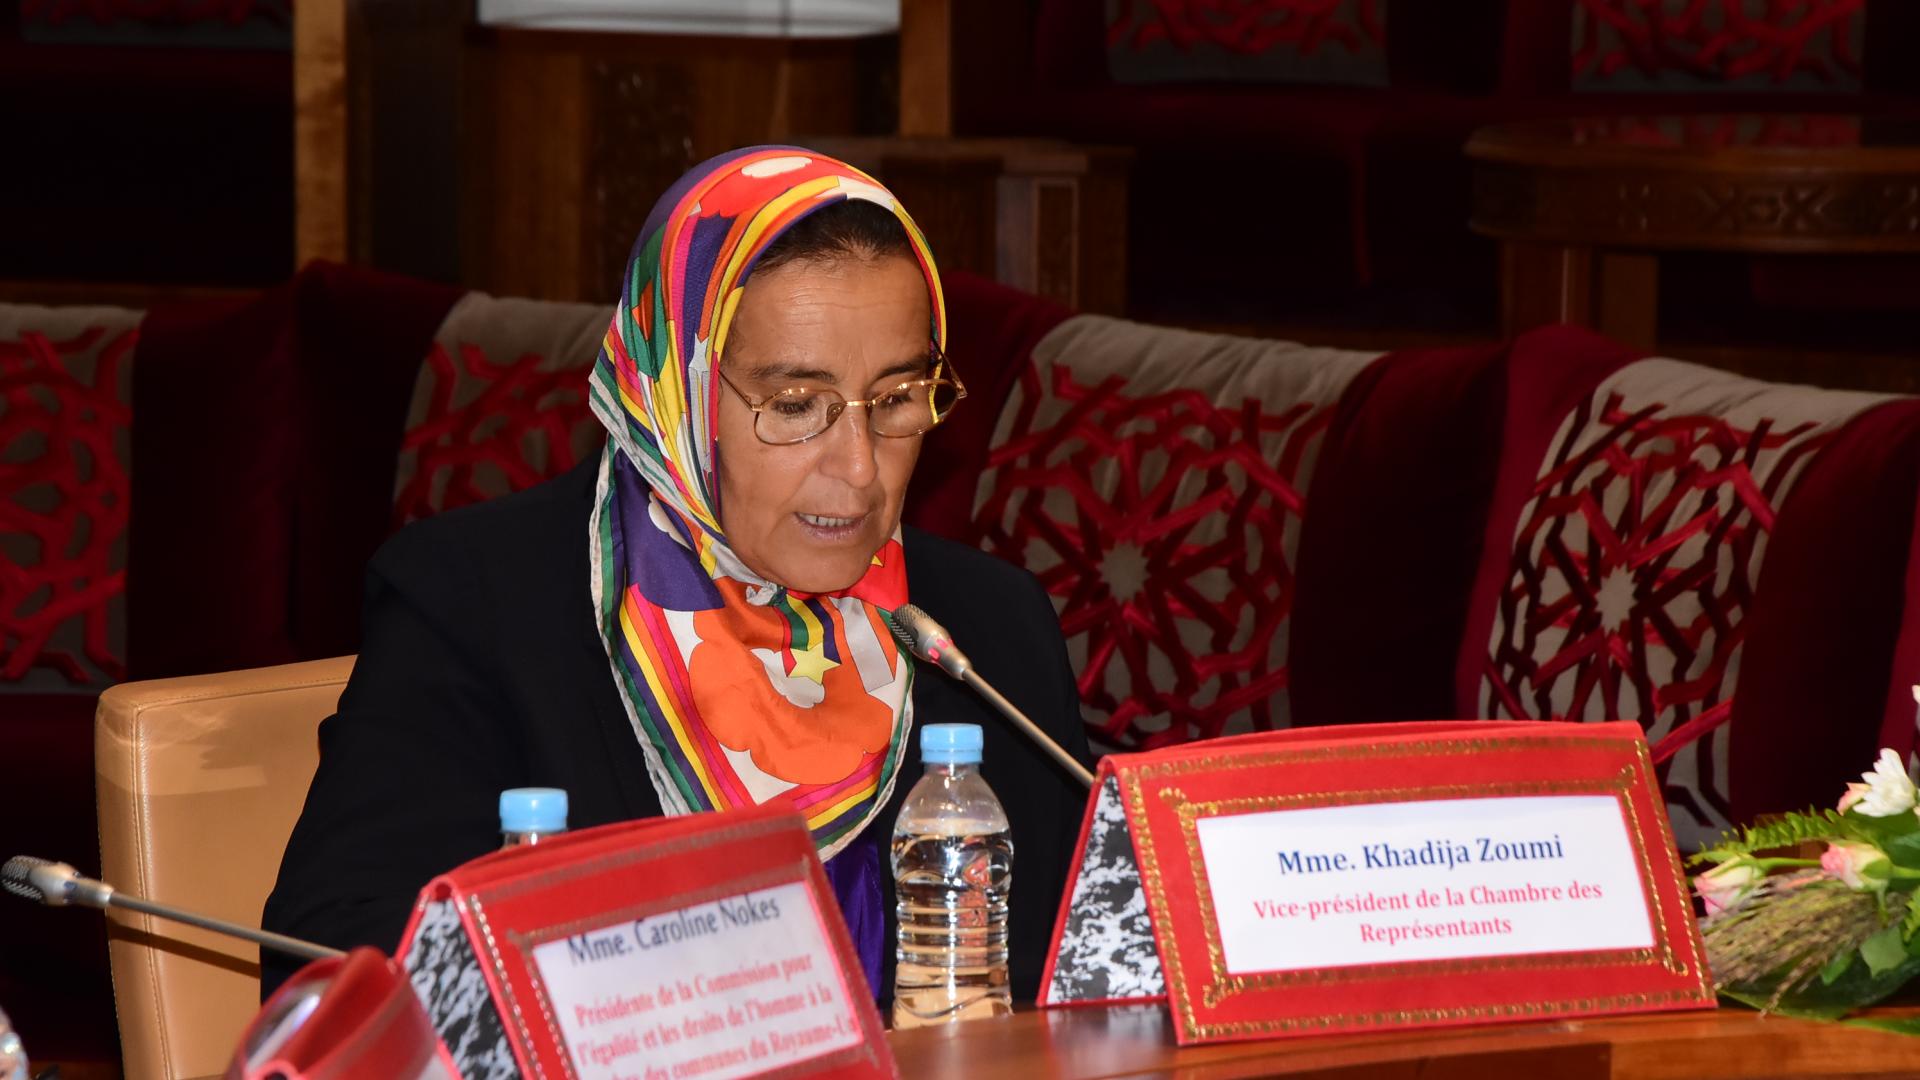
(928, 640)
(58, 885)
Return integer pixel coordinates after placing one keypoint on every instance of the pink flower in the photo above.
(1860, 866)
(1726, 885)
(1855, 792)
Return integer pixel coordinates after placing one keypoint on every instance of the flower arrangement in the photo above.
(1815, 913)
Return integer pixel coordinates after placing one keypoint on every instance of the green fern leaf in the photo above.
(1785, 831)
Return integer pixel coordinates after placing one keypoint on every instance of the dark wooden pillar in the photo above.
(926, 68)
(1615, 292)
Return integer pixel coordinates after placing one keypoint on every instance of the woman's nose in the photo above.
(848, 455)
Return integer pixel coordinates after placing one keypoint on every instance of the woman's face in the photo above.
(811, 515)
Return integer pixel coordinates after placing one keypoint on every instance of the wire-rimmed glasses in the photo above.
(799, 413)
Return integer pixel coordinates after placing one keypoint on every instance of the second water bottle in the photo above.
(952, 870)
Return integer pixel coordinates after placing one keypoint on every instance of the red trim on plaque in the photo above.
(1166, 793)
(512, 901)
(367, 1023)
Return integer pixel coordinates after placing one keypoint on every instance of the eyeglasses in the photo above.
(799, 413)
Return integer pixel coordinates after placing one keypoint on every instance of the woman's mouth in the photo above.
(829, 528)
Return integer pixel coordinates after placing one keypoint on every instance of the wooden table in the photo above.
(1134, 1041)
(1583, 206)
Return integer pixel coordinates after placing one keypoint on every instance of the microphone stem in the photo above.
(305, 950)
(1031, 729)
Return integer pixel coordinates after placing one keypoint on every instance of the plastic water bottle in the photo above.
(529, 815)
(952, 870)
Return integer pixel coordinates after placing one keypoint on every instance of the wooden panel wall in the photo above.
(588, 130)
(523, 162)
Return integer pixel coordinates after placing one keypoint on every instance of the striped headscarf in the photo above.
(740, 690)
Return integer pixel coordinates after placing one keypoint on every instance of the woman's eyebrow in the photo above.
(776, 371)
(913, 365)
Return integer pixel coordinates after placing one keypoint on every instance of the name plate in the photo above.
(705, 946)
(1377, 876)
(1446, 879)
(731, 987)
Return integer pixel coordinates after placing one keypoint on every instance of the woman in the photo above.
(770, 372)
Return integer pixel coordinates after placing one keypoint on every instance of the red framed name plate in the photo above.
(706, 946)
(342, 1018)
(1380, 876)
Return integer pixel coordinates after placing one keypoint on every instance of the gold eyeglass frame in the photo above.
(940, 364)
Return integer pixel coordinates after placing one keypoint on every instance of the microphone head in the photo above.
(38, 880)
(900, 633)
(927, 639)
(14, 879)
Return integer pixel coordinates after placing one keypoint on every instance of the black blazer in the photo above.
(481, 669)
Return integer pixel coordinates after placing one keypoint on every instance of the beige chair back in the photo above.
(199, 782)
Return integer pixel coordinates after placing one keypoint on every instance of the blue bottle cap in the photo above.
(950, 744)
(533, 809)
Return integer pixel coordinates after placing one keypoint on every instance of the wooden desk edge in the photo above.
(1683, 1045)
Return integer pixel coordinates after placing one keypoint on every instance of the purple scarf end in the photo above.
(855, 876)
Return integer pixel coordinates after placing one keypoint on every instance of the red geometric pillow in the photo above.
(65, 416)
(500, 404)
(1155, 480)
(1300, 41)
(1634, 571)
(1815, 45)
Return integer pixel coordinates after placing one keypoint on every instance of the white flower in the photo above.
(1890, 790)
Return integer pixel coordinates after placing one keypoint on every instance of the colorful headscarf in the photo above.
(739, 689)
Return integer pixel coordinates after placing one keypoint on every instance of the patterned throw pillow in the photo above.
(1745, 45)
(500, 405)
(1155, 480)
(1341, 42)
(1637, 557)
(65, 423)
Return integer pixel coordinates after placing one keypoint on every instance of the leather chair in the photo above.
(199, 782)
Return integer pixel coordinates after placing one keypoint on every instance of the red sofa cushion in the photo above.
(1719, 559)
(268, 434)
(991, 334)
(1155, 481)
(1622, 45)
(65, 430)
(499, 403)
(1452, 45)
(1552, 46)
(1820, 685)
(1280, 40)
(1389, 551)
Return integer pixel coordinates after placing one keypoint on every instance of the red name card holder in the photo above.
(1380, 876)
(708, 945)
(340, 1019)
